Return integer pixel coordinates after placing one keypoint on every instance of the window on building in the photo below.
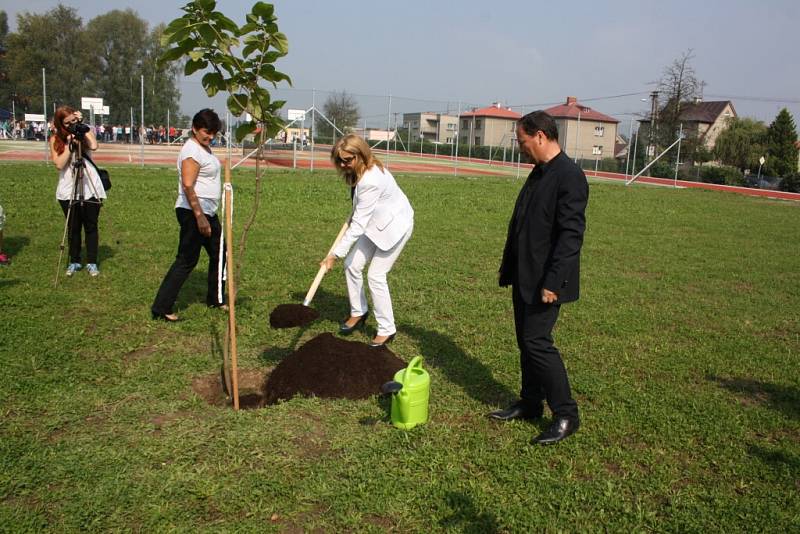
(478, 124)
(477, 141)
(599, 131)
(464, 125)
(597, 150)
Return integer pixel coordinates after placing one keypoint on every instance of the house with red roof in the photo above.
(705, 120)
(490, 126)
(584, 132)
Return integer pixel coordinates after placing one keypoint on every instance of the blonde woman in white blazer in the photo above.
(380, 226)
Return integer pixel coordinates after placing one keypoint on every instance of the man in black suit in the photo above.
(541, 262)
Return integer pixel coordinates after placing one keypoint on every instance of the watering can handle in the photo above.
(416, 361)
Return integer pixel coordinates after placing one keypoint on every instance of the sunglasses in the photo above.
(346, 161)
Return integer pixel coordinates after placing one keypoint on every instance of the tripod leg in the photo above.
(63, 240)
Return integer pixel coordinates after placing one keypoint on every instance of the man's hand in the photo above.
(203, 225)
(548, 297)
(328, 262)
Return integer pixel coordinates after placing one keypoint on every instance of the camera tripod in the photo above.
(77, 197)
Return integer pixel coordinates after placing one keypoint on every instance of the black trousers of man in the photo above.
(544, 376)
(84, 215)
(191, 241)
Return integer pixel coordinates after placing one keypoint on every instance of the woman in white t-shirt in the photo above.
(199, 191)
(80, 202)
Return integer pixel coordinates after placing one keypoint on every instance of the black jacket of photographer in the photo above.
(545, 233)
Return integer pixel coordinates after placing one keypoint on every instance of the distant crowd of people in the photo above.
(118, 133)
(22, 130)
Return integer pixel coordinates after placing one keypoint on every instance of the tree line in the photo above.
(104, 58)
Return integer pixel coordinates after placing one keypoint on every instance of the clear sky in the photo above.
(431, 55)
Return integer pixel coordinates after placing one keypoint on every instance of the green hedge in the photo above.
(790, 183)
(722, 175)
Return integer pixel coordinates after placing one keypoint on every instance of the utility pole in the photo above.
(653, 120)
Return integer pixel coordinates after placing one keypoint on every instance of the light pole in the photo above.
(653, 119)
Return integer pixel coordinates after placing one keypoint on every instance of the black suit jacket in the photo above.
(545, 234)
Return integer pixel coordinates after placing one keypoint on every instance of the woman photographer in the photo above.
(80, 202)
(199, 191)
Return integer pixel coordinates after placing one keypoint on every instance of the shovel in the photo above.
(321, 273)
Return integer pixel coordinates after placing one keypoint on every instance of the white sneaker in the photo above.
(72, 268)
(92, 269)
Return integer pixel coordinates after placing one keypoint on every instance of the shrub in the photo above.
(722, 175)
(790, 183)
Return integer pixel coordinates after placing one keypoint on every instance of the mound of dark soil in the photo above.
(330, 367)
(289, 315)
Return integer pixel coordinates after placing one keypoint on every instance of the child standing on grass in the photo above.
(4, 259)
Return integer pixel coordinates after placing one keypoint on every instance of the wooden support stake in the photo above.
(231, 286)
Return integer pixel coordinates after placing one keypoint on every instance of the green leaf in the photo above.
(225, 23)
(213, 82)
(262, 95)
(206, 5)
(248, 50)
(247, 28)
(243, 129)
(207, 33)
(176, 25)
(271, 57)
(180, 35)
(196, 54)
(263, 10)
(193, 66)
(237, 104)
(280, 42)
(171, 55)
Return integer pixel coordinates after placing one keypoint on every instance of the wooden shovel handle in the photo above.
(321, 273)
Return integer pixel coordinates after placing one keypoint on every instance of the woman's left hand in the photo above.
(328, 262)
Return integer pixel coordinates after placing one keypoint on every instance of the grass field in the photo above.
(683, 354)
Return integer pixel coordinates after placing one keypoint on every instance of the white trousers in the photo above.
(380, 263)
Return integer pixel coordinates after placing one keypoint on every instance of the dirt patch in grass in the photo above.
(290, 315)
(312, 441)
(160, 421)
(325, 367)
(329, 367)
(137, 354)
(211, 388)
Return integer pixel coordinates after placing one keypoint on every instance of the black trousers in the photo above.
(191, 241)
(84, 215)
(544, 376)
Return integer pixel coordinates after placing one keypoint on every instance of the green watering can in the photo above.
(410, 390)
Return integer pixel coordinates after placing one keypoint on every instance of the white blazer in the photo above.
(381, 211)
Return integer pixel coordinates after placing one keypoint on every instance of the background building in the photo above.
(583, 132)
(432, 126)
(490, 126)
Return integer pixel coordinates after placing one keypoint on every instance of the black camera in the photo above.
(78, 129)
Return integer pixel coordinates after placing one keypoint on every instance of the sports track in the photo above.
(398, 162)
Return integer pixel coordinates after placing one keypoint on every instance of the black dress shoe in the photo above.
(518, 410)
(347, 330)
(561, 428)
(374, 345)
